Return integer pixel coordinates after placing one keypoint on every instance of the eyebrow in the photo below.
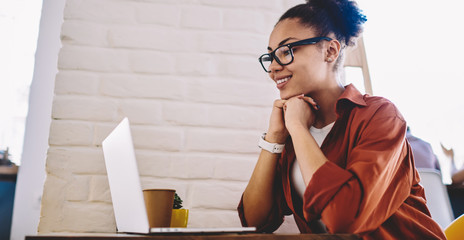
(282, 42)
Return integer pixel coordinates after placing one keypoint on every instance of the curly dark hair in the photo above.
(343, 18)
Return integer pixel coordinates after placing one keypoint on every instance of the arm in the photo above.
(375, 182)
(308, 154)
(258, 200)
(299, 117)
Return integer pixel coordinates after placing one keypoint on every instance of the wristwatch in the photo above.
(270, 147)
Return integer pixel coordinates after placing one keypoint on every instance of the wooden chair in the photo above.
(356, 57)
(437, 196)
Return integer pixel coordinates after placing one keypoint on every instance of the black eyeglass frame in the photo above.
(290, 46)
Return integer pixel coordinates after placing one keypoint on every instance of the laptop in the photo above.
(126, 191)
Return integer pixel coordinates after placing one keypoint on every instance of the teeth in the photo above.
(283, 80)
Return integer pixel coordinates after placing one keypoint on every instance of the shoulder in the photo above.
(378, 123)
(379, 107)
(364, 106)
(377, 118)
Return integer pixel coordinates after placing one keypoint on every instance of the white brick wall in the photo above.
(186, 74)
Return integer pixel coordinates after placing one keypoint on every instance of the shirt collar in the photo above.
(353, 95)
(350, 95)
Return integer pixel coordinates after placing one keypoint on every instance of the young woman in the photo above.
(335, 159)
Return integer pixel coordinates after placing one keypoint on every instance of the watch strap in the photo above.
(270, 147)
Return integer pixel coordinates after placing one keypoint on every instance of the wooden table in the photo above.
(249, 236)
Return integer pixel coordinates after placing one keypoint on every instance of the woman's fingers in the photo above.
(279, 103)
(300, 112)
(277, 131)
(310, 101)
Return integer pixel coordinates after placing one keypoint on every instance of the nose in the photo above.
(275, 66)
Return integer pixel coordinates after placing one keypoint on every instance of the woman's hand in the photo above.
(277, 132)
(299, 112)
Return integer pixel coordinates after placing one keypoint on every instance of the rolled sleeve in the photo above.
(324, 185)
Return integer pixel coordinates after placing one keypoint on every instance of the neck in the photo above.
(327, 100)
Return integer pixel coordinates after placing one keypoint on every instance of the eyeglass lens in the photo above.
(283, 55)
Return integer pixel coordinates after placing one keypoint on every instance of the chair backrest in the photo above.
(356, 57)
(455, 231)
(437, 196)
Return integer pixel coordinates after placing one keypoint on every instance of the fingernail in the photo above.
(317, 107)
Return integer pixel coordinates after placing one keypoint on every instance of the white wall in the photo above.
(186, 74)
(32, 171)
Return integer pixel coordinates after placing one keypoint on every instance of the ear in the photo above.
(333, 51)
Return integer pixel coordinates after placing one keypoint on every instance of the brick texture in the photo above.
(185, 73)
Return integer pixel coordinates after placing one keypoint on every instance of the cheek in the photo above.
(308, 60)
(308, 68)
(309, 75)
(309, 64)
(313, 65)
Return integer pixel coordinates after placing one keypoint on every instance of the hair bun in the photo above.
(345, 15)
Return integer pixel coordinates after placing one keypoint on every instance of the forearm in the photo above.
(308, 154)
(258, 198)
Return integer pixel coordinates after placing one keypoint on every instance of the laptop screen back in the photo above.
(124, 180)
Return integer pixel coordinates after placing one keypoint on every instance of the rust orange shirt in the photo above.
(369, 186)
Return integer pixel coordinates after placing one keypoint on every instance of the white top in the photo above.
(319, 134)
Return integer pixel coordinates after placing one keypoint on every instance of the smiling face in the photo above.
(308, 72)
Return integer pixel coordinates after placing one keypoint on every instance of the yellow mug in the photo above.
(179, 217)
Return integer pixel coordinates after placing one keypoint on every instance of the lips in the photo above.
(282, 81)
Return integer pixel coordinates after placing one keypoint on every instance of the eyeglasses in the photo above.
(284, 54)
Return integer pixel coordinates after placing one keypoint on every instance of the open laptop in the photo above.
(126, 191)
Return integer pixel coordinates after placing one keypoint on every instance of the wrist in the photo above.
(275, 137)
(270, 147)
(295, 128)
